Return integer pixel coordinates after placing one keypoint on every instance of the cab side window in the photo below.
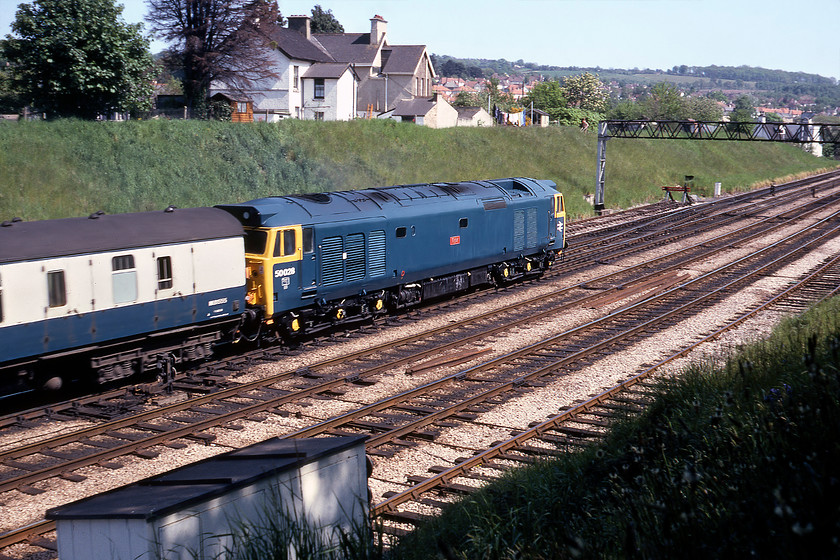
(56, 290)
(308, 240)
(1, 299)
(285, 243)
(124, 278)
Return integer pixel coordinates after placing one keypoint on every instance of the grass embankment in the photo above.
(736, 459)
(72, 168)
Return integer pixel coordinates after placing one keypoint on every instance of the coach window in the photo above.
(124, 279)
(463, 222)
(57, 292)
(164, 271)
(1, 299)
(285, 243)
(308, 240)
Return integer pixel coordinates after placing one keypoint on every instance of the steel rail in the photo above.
(444, 477)
(237, 391)
(215, 421)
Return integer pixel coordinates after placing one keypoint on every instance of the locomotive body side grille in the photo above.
(376, 253)
(355, 256)
(332, 261)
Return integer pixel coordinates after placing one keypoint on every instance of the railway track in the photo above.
(572, 428)
(323, 382)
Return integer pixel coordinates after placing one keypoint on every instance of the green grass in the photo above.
(72, 168)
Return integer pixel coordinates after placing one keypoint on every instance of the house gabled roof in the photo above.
(348, 47)
(414, 107)
(332, 70)
(467, 112)
(295, 45)
(402, 59)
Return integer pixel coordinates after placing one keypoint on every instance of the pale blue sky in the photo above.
(793, 35)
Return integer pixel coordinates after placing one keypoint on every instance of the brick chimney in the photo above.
(301, 24)
(378, 25)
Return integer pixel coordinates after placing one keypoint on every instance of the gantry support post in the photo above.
(602, 164)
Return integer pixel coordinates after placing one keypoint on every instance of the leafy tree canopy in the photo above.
(546, 95)
(78, 59)
(325, 21)
(218, 40)
(585, 91)
(743, 109)
(664, 102)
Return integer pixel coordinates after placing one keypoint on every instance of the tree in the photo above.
(325, 22)
(586, 92)
(218, 40)
(701, 109)
(546, 95)
(470, 99)
(78, 59)
(664, 102)
(743, 110)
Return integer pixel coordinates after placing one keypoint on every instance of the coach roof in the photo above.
(25, 241)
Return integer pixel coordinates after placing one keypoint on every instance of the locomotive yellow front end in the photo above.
(272, 257)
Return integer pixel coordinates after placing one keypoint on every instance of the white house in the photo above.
(336, 76)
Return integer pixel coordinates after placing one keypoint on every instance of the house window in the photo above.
(296, 78)
(124, 279)
(56, 291)
(297, 112)
(164, 267)
(241, 107)
(319, 115)
(319, 88)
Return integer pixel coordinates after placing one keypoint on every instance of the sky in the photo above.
(797, 36)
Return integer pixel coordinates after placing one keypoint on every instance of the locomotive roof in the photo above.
(21, 240)
(334, 206)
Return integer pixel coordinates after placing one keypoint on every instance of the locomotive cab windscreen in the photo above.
(272, 258)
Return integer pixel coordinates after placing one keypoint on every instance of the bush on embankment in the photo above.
(72, 168)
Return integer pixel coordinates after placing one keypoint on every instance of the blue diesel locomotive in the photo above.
(113, 296)
(321, 259)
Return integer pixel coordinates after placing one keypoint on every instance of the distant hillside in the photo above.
(72, 168)
(778, 85)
